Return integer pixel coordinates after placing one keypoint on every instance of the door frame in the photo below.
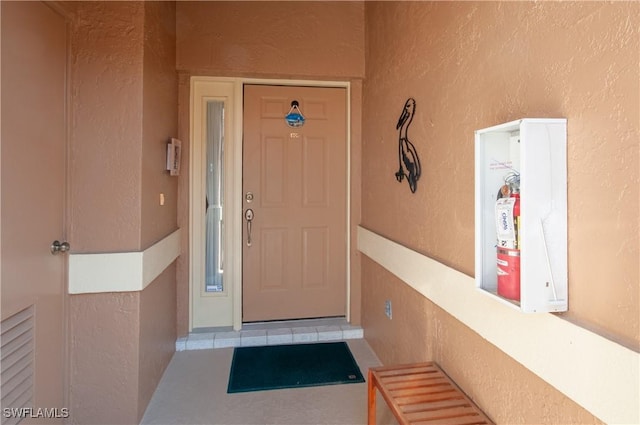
(233, 193)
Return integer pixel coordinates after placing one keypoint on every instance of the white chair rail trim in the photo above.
(121, 271)
(598, 374)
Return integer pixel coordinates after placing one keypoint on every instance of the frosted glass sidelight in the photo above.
(214, 254)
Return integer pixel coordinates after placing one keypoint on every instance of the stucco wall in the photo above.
(157, 334)
(312, 39)
(106, 129)
(124, 109)
(160, 122)
(105, 177)
(104, 358)
(471, 65)
(275, 40)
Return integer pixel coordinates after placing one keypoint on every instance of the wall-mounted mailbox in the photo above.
(524, 159)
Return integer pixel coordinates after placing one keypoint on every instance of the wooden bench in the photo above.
(422, 392)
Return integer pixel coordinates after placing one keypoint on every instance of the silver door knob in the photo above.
(58, 246)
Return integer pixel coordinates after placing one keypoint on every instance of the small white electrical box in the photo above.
(533, 152)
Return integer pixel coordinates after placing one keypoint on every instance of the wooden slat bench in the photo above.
(422, 393)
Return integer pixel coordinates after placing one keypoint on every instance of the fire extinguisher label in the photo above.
(505, 225)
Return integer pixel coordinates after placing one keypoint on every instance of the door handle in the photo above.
(58, 246)
(248, 215)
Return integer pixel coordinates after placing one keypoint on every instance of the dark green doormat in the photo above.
(292, 366)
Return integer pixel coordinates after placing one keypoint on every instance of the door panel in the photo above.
(295, 266)
(34, 60)
(274, 171)
(315, 256)
(315, 172)
(273, 259)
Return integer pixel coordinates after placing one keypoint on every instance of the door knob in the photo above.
(58, 246)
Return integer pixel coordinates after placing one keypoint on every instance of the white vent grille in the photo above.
(16, 346)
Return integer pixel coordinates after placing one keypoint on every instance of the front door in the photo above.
(295, 193)
(34, 60)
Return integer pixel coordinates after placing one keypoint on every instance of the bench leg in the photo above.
(371, 414)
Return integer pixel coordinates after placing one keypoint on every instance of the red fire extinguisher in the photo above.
(508, 232)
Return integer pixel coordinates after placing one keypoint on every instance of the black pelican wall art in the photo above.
(408, 159)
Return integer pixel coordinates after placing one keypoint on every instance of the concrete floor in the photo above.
(193, 390)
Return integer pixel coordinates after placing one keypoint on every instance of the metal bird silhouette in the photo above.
(408, 160)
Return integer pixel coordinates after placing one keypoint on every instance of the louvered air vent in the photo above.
(17, 363)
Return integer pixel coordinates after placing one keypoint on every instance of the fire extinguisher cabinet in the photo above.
(533, 149)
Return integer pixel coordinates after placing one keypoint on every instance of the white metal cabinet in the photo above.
(536, 149)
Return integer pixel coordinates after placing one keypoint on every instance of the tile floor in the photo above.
(291, 332)
(193, 387)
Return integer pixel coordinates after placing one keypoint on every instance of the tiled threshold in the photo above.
(271, 333)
